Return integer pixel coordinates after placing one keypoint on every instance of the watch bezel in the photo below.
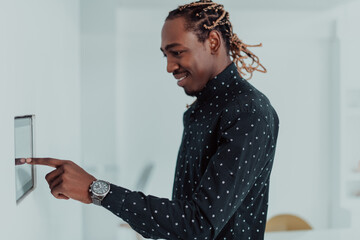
(100, 194)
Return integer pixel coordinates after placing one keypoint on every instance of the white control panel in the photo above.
(24, 148)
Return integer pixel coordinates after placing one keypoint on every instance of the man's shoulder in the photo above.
(248, 101)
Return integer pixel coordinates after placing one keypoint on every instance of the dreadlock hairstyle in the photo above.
(202, 17)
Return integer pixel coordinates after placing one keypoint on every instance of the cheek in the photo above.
(198, 63)
(203, 71)
(201, 65)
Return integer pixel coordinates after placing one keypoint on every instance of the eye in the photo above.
(177, 53)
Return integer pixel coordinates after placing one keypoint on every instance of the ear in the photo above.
(214, 41)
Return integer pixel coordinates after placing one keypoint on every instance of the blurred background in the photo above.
(92, 74)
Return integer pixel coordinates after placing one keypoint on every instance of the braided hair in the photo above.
(202, 17)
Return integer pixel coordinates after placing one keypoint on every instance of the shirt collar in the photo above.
(218, 84)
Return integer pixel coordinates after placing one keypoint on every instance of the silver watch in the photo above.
(99, 189)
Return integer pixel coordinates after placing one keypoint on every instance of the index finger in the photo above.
(51, 162)
(20, 161)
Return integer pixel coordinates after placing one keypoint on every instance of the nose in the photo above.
(171, 66)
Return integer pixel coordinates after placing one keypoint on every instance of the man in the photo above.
(222, 175)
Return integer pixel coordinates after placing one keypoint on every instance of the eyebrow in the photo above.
(170, 46)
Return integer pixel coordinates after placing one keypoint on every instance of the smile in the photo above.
(180, 79)
(181, 76)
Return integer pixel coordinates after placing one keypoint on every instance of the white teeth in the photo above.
(183, 78)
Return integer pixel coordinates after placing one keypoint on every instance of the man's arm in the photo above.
(231, 173)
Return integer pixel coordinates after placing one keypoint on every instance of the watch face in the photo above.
(100, 187)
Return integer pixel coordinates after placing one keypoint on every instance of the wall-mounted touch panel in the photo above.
(24, 148)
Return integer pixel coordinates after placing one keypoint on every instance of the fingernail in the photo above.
(28, 160)
(22, 160)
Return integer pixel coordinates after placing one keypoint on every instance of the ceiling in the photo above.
(242, 4)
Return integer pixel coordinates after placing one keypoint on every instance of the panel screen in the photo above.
(24, 148)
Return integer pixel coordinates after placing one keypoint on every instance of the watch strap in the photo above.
(96, 200)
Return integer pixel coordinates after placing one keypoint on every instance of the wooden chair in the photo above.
(286, 222)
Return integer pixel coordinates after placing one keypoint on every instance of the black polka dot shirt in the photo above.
(221, 183)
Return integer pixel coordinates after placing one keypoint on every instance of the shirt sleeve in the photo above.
(245, 140)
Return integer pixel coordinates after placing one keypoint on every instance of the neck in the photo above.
(220, 65)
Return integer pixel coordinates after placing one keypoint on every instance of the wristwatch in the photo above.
(98, 190)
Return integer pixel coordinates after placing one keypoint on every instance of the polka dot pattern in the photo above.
(221, 183)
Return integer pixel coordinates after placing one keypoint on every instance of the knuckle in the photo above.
(62, 178)
(64, 187)
(64, 166)
(53, 192)
(68, 162)
(47, 177)
(60, 188)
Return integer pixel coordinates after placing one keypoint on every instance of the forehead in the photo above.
(174, 31)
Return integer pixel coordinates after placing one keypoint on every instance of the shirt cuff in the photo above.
(114, 201)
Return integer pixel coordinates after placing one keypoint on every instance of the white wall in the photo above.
(297, 51)
(39, 74)
(349, 91)
(98, 139)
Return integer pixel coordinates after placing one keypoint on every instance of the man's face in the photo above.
(189, 60)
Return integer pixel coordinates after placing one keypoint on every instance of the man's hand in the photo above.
(68, 180)
(20, 161)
